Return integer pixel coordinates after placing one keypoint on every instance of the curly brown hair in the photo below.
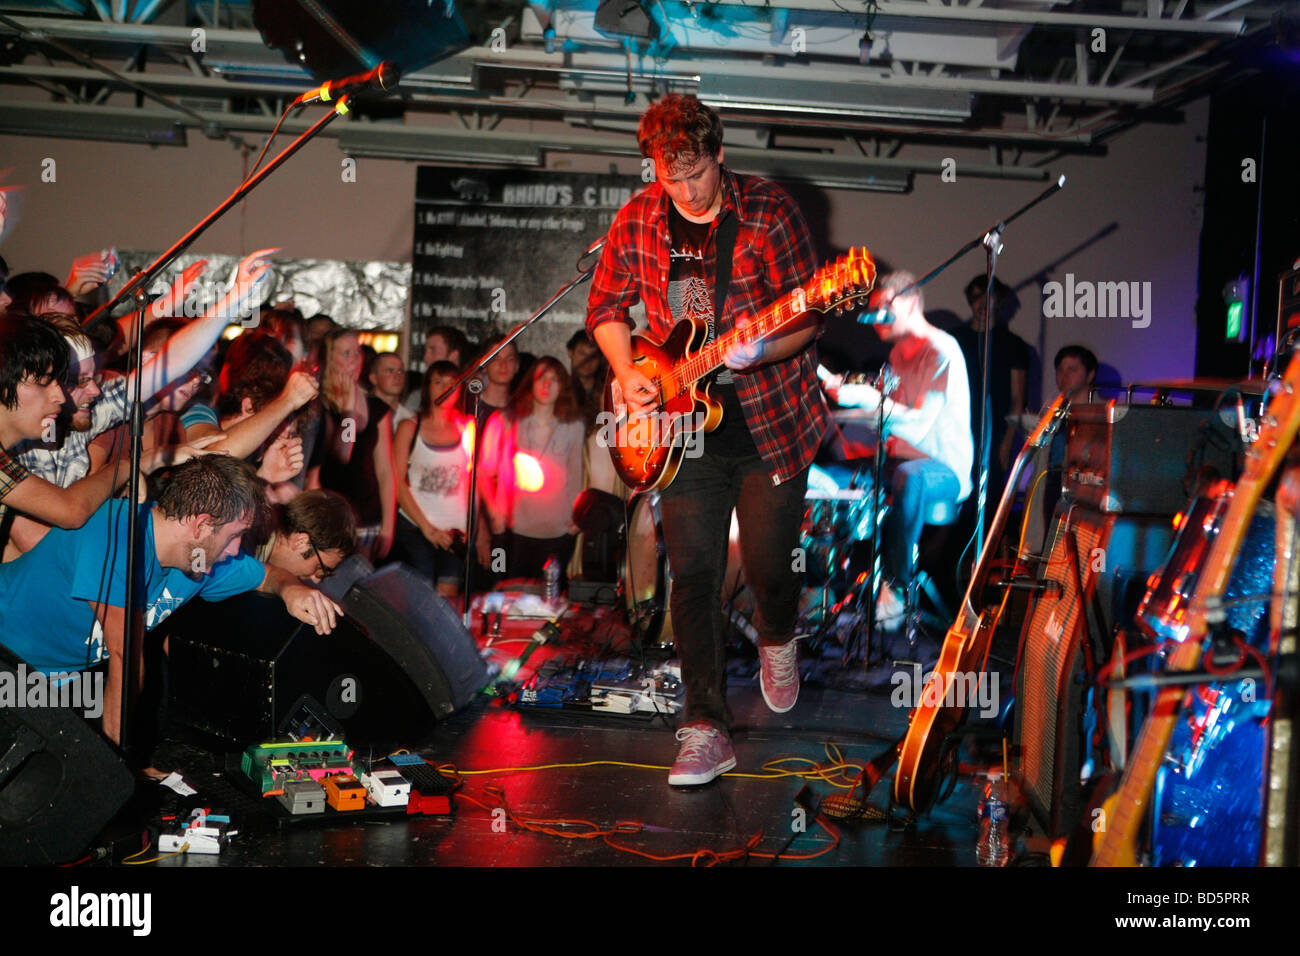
(679, 129)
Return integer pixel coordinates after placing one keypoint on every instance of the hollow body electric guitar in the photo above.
(1125, 812)
(965, 650)
(647, 448)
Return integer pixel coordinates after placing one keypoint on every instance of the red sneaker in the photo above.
(705, 754)
(779, 679)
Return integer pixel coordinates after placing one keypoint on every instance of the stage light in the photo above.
(467, 444)
(528, 473)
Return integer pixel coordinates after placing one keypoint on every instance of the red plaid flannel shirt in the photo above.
(782, 402)
(12, 473)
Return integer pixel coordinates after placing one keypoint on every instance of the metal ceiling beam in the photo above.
(609, 67)
(591, 115)
(474, 146)
(903, 9)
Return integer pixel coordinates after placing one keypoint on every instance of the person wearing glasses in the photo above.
(61, 604)
(311, 535)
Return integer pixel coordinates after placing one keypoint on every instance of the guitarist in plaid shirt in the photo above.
(663, 250)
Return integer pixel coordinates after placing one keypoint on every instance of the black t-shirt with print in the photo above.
(690, 294)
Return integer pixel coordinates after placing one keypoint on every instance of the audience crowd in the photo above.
(268, 458)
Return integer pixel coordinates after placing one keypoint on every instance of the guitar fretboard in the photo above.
(710, 357)
(849, 277)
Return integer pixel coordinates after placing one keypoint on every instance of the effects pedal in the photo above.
(430, 792)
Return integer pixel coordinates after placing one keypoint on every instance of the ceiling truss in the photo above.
(1008, 85)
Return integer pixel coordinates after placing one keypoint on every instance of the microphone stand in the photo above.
(991, 240)
(136, 288)
(877, 498)
(469, 379)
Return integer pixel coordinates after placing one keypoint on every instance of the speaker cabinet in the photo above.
(60, 781)
(1088, 550)
(398, 659)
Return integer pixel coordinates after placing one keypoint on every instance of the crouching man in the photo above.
(61, 604)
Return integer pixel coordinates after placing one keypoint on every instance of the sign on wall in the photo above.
(491, 246)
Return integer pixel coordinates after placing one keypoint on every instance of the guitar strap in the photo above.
(725, 237)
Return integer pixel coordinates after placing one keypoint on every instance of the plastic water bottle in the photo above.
(551, 574)
(992, 848)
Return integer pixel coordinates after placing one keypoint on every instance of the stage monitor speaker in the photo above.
(422, 633)
(60, 781)
(398, 660)
(1088, 548)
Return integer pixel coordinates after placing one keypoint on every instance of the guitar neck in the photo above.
(1047, 426)
(709, 358)
(1284, 616)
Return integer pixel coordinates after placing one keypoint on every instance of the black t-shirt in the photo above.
(690, 294)
(354, 479)
(1009, 351)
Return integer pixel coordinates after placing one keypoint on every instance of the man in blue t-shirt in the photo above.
(61, 604)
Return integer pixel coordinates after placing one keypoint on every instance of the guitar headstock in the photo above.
(839, 283)
(1051, 415)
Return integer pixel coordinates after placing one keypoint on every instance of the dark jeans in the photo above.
(917, 484)
(438, 566)
(696, 514)
(526, 557)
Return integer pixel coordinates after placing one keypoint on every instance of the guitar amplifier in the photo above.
(1134, 459)
(1091, 549)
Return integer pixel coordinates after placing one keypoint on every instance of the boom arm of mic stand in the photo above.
(140, 279)
(1050, 190)
(136, 287)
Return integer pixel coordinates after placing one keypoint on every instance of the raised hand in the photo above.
(283, 459)
(89, 272)
(300, 389)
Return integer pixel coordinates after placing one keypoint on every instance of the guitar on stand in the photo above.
(1125, 811)
(1280, 843)
(647, 449)
(965, 647)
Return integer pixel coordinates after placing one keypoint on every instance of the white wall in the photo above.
(143, 197)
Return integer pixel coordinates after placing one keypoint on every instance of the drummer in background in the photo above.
(926, 426)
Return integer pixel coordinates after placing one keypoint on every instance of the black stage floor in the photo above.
(743, 819)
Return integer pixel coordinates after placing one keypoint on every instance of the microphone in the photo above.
(384, 76)
(883, 316)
